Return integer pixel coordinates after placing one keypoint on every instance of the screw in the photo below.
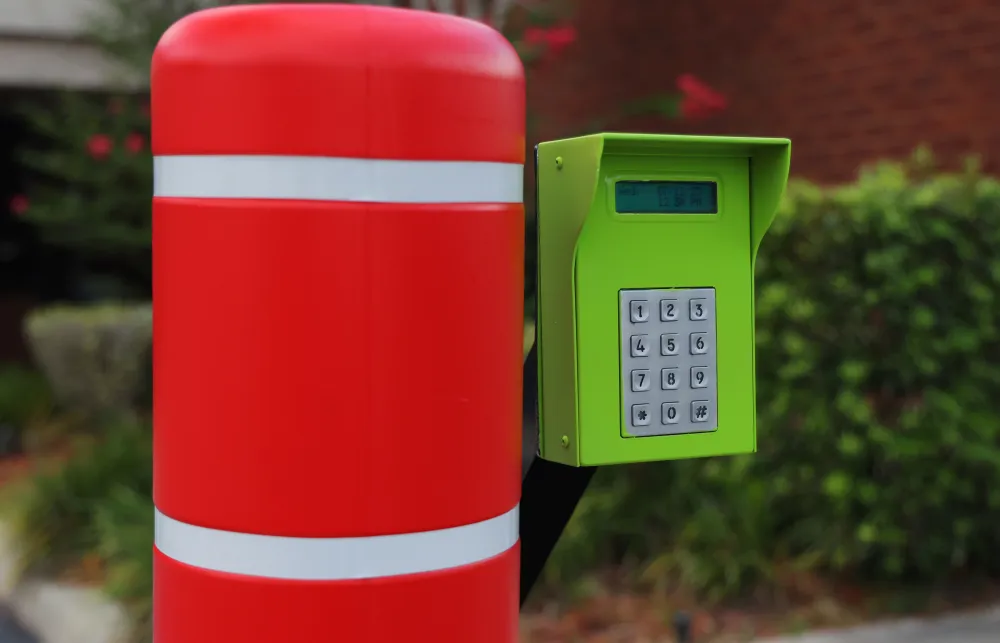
(682, 626)
(559, 162)
(564, 440)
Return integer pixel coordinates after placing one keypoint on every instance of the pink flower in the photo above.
(19, 205)
(699, 100)
(134, 143)
(555, 39)
(99, 146)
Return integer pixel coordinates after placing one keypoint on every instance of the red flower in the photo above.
(115, 106)
(555, 39)
(699, 100)
(134, 143)
(144, 109)
(99, 146)
(19, 205)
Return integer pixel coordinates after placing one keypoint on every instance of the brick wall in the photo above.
(847, 80)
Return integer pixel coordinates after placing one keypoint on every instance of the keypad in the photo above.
(668, 361)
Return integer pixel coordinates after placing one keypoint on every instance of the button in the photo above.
(640, 381)
(640, 345)
(669, 344)
(699, 343)
(699, 309)
(669, 379)
(670, 413)
(639, 311)
(699, 377)
(640, 415)
(669, 310)
(700, 411)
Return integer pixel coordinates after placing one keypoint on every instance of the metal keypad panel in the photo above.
(668, 361)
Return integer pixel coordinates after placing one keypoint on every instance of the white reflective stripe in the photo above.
(335, 558)
(317, 178)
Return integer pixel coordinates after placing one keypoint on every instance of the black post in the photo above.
(549, 492)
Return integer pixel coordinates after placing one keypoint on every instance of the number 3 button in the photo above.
(699, 309)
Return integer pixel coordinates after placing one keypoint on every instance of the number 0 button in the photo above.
(640, 345)
(699, 309)
(671, 414)
(699, 343)
(639, 311)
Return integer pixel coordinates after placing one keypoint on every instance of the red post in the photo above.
(338, 277)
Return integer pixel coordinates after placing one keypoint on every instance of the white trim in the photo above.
(316, 178)
(335, 558)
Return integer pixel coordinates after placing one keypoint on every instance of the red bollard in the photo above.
(338, 280)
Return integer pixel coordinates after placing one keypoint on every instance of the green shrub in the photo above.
(124, 533)
(64, 514)
(96, 357)
(25, 400)
(878, 384)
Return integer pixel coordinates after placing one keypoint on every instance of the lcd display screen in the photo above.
(666, 197)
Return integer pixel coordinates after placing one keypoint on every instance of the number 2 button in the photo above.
(668, 310)
(640, 345)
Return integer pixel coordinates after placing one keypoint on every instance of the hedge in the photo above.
(878, 369)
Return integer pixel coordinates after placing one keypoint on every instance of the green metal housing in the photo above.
(587, 253)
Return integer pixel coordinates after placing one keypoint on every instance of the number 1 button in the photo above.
(639, 311)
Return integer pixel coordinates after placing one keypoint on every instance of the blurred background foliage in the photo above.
(878, 362)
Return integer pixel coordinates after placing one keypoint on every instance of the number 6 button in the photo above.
(699, 343)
